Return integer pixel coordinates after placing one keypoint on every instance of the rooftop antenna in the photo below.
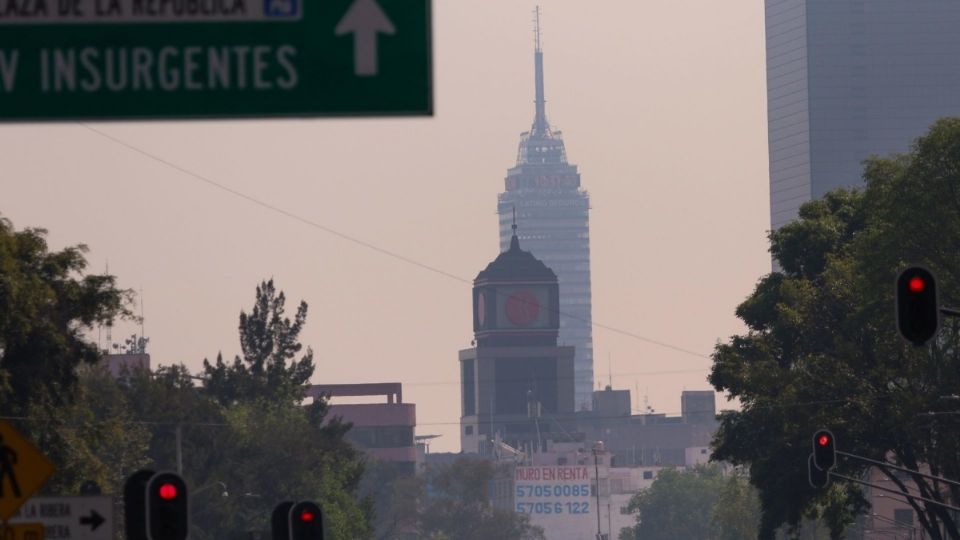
(142, 331)
(109, 336)
(536, 28)
(610, 367)
(514, 241)
(540, 126)
(636, 391)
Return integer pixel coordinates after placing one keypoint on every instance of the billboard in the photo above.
(557, 498)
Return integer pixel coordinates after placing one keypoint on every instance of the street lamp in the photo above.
(597, 449)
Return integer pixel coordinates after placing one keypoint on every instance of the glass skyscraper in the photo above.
(847, 79)
(553, 224)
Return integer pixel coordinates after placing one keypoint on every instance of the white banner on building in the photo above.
(557, 498)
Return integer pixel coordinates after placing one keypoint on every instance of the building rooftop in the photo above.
(516, 264)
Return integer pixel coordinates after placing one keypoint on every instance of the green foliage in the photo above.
(822, 349)
(395, 497)
(269, 342)
(244, 439)
(94, 438)
(451, 502)
(736, 514)
(701, 503)
(46, 305)
(278, 448)
(274, 455)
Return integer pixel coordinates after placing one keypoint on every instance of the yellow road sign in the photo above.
(23, 470)
(22, 531)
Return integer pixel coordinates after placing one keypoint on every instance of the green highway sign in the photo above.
(158, 59)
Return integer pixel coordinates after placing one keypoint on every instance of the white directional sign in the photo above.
(70, 518)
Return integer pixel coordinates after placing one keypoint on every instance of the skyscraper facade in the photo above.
(552, 213)
(847, 79)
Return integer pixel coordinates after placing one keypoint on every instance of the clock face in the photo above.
(481, 308)
(522, 308)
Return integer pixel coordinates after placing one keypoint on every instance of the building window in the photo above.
(381, 436)
(469, 389)
(903, 516)
(648, 475)
(468, 430)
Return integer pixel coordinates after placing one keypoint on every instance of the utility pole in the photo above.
(179, 438)
(597, 448)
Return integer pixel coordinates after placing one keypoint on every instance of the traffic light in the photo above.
(306, 522)
(280, 521)
(817, 478)
(135, 504)
(167, 507)
(918, 306)
(824, 450)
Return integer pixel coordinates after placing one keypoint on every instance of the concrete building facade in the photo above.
(516, 379)
(847, 79)
(543, 195)
(383, 430)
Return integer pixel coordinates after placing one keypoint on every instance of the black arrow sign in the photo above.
(94, 520)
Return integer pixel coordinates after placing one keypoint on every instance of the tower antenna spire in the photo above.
(536, 28)
(540, 125)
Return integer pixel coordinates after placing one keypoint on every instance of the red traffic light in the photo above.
(168, 508)
(167, 492)
(824, 450)
(917, 284)
(918, 306)
(306, 521)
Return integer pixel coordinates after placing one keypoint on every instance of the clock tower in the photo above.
(516, 375)
(515, 301)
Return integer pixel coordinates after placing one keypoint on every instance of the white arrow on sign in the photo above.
(77, 518)
(365, 19)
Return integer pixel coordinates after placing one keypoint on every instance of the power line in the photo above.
(563, 416)
(357, 241)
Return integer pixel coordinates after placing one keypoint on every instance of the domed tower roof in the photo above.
(515, 300)
(516, 264)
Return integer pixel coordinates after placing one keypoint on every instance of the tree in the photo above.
(279, 448)
(95, 438)
(241, 458)
(453, 504)
(678, 504)
(275, 454)
(395, 496)
(269, 341)
(46, 306)
(736, 514)
(821, 348)
(698, 503)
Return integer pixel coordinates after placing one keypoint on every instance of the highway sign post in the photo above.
(159, 59)
(76, 518)
(23, 470)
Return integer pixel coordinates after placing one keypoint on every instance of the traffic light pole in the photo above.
(896, 467)
(900, 493)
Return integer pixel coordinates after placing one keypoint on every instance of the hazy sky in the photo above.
(662, 105)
